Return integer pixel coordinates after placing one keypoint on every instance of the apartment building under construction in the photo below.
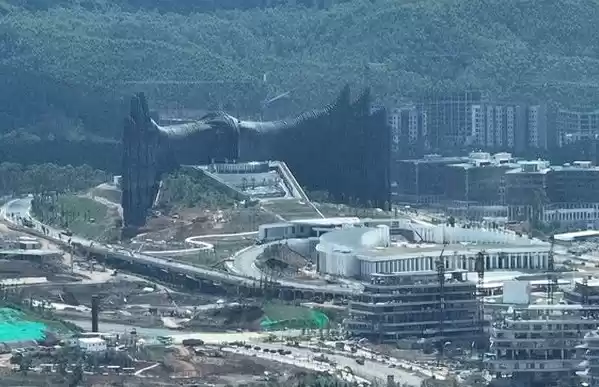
(416, 305)
(539, 345)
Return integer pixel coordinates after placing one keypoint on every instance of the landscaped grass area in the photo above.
(291, 209)
(342, 210)
(82, 215)
(224, 249)
(113, 195)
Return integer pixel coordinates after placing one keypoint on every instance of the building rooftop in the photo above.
(593, 283)
(537, 167)
(383, 253)
(423, 273)
(435, 159)
(451, 249)
(543, 167)
(570, 236)
(496, 278)
(91, 340)
(350, 238)
(576, 166)
(473, 160)
(470, 165)
(27, 239)
(484, 159)
(336, 221)
(36, 252)
(556, 307)
(355, 240)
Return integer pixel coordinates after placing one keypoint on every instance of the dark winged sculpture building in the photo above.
(343, 149)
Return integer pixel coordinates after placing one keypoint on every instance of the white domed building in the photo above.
(359, 252)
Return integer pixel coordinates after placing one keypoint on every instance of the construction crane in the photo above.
(479, 267)
(440, 265)
(551, 275)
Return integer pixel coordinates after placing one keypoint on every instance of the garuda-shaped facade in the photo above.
(343, 149)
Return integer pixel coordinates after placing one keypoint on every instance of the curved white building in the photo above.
(362, 251)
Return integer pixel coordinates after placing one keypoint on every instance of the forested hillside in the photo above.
(66, 65)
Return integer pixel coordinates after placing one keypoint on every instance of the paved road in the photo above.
(371, 370)
(244, 263)
(216, 236)
(21, 207)
(179, 336)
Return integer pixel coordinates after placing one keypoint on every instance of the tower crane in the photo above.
(440, 268)
(551, 275)
(479, 267)
(440, 265)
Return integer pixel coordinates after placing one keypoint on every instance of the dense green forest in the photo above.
(197, 190)
(16, 179)
(67, 65)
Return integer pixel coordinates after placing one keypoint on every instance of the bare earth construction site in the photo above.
(153, 319)
(237, 267)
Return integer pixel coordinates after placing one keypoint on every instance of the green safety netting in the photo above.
(14, 327)
(315, 320)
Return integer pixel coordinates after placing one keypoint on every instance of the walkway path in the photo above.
(141, 371)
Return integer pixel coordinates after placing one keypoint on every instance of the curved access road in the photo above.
(198, 244)
(215, 236)
(16, 210)
(244, 263)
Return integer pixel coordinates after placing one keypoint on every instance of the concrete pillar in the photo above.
(95, 312)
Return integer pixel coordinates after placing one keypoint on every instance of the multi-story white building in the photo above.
(408, 123)
(496, 126)
(571, 214)
(536, 343)
(509, 126)
(92, 344)
(537, 127)
(362, 251)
